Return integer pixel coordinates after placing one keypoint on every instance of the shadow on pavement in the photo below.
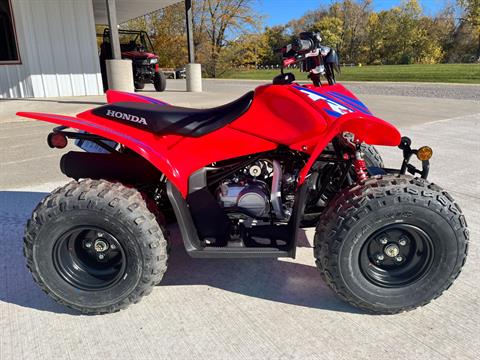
(274, 280)
(281, 280)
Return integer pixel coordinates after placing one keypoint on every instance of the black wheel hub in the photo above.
(396, 255)
(89, 258)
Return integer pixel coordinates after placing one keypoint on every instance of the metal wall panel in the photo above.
(58, 50)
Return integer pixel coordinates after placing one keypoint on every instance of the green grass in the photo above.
(445, 73)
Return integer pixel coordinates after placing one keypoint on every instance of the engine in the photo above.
(255, 191)
(248, 196)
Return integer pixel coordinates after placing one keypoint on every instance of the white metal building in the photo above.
(48, 47)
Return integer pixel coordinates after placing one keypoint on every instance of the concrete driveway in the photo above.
(219, 309)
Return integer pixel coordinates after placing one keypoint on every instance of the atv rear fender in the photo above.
(148, 147)
(365, 128)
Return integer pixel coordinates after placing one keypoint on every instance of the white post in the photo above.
(194, 71)
(120, 75)
(194, 77)
(119, 72)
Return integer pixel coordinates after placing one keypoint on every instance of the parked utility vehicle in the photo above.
(136, 46)
(239, 180)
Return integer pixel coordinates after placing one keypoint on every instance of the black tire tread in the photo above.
(354, 203)
(372, 156)
(111, 198)
(160, 81)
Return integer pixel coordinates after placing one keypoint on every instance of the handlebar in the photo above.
(303, 46)
(313, 56)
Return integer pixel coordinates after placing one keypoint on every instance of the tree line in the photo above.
(230, 33)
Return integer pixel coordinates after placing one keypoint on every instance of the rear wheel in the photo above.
(95, 246)
(391, 244)
(160, 81)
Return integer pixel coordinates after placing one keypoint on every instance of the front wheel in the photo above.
(160, 81)
(95, 246)
(372, 157)
(391, 244)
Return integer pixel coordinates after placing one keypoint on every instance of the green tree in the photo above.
(374, 42)
(402, 35)
(330, 29)
(275, 38)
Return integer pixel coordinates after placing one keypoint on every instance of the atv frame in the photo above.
(193, 245)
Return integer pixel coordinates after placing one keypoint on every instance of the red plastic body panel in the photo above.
(138, 55)
(302, 118)
(280, 114)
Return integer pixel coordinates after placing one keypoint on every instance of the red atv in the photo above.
(136, 46)
(239, 180)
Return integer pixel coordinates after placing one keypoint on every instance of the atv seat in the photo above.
(173, 119)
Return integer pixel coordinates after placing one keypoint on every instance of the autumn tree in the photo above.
(441, 29)
(166, 28)
(353, 16)
(471, 16)
(247, 51)
(215, 22)
(306, 22)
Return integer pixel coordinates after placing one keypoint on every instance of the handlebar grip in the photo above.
(301, 45)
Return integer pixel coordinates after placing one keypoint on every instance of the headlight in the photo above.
(153, 61)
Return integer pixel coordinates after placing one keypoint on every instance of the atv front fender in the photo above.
(366, 128)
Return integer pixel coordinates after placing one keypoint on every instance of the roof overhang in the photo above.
(128, 9)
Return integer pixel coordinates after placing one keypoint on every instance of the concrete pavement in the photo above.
(242, 309)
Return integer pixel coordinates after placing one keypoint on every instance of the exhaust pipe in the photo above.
(126, 168)
(276, 191)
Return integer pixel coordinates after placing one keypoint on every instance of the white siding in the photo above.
(58, 50)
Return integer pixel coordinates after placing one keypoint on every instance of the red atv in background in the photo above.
(239, 180)
(136, 46)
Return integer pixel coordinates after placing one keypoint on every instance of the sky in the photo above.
(281, 11)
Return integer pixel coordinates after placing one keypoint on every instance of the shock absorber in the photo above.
(359, 165)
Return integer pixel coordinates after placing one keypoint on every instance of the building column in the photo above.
(193, 70)
(119, 72)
